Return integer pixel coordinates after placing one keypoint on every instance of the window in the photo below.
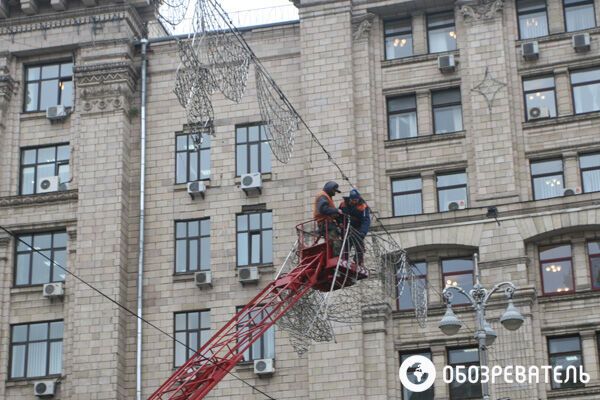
(402, 117)
(586, 90)
(49, 85)
(263, 347)
(589, 164)
(192, 165)
(533, 18)
(565, 352)
(407, 394)
(254, 238)
(405, 300)
(34, 269)
(192, 246)
(594, 254)
(451, 188)
(458, 272)
(540, 97)
(43, 162)
(252, 150)
(579, 14)
(441, 32)
(557, 269)
(407, 194)
(193, 330)
(36, 349)
(447, 111)
(398, 39)
(547, 178)
(467, 358)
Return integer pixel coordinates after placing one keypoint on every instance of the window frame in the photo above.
(187, 238)
(187, 333)
(551, 355)
(249, 232)
(451, 104)
(421, 276)
(31, 251)
(56, 162)
(464, 302)
(394, 194)
(578, 3)
(261, 339)
(467, 365)
(248, 143)
(405, 111)
(188, 154)
(587, 169)
(428, 29)
(409, 353)
(388, 35)
(26, 343)
(574, 85)
(527, 92)
(534, 177)
(520, 13)
(26, 82)
(550, 260)
(465, 185)
(592, 256)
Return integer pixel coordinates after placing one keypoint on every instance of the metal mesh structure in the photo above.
(172, 12)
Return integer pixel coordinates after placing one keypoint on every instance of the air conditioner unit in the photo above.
(530, 50)
(196, 188)
(538, 113)
(248, 274)
(264, 366)
(54, 289)
(457, 205)
(45, 388)
(47, 185)
(581, 42)
(203, 279)
(572, 191)
(251, 183)
(56, 113)
(447, 63)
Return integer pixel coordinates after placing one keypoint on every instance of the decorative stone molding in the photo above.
(361, 26)
(7, 85)
(12, 201)
(481, 9)
(489, 88)
(105, 87)
(376, 312)
(4, 239)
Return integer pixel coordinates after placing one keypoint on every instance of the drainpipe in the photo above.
(140, 275)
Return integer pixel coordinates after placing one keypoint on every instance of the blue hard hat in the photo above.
(354, 194)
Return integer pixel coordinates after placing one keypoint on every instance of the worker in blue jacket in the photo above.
(359, 216)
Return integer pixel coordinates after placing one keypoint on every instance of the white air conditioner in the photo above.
(530, 50)
(203, 279)
(196, 188)
(54, 289)
(251, 183)
(248, 274)
(264, 366)
(538, 113)
(47, 185)
(581, 42)
(457, 205)
(572, 191)
(447, 63)
(56, 113)
(45, 388)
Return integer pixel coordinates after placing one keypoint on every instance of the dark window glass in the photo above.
(557, 269)
(594, 254)
(254, 238)
(31, 267)
(540, 98)
(547, 177)
(467, 358)
(458, 272)
(36, 349)
(589, 165)
(405, 299)
(533, 18)
(402, 117)
(407, 196)
(565, 352)
(48, 85)
(263, 347)
(441, 32)
(192, 245)
(579, 14)
(407, 394)
(191, 164)
(192, 330)
(398, 39)
(586, 90)
(43, 162)
(447, 111)
(252, 149)
(451, 188)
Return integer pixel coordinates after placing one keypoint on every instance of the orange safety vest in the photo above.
(316, 215)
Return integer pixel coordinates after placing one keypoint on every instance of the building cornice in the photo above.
(24, 200)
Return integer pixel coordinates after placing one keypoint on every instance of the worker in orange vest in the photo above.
(326, 214)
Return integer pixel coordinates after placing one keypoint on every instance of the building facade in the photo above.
(436, 110)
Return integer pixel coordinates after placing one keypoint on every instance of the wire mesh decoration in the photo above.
(171, 12)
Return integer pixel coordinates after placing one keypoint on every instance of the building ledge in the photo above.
(556, 36)
(439, 137)
(573, 392)
(576, 295)
(566, 119)
(416, 58)
(23, 200)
